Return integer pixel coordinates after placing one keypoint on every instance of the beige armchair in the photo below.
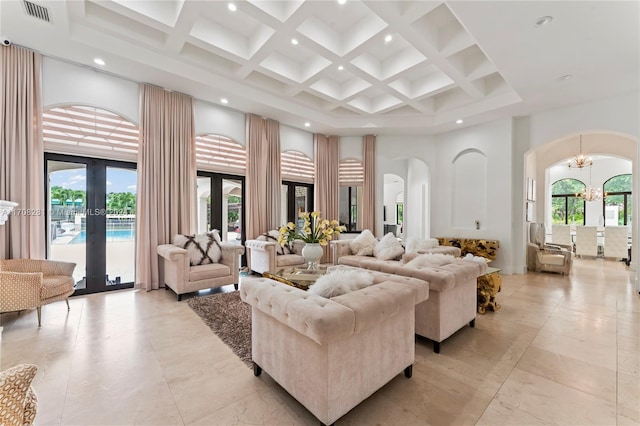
(549, 258)
(31, 283)
(183, 278)
(262, 256)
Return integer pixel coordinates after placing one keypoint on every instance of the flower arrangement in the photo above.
(314, 230)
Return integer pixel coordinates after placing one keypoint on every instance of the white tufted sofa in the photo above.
(453, 290)
(331, 354)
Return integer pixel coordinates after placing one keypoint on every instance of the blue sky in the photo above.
(118, 180)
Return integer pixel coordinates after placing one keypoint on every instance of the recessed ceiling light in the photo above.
(342, 1)
(388, 38)
(543, 21)
(340, 68)
(224, 100)
(232, 7)
(294, 41)
(564, 77)
(307, 124)
(459, 121)
(99, 61)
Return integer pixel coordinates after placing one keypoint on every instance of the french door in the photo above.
(91, 220)
(221, 205)
(296, 198)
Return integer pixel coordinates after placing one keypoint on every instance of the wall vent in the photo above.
(36, 10)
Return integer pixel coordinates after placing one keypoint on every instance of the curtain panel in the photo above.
(22, 153)
(166, 177)
(263, 175)
(326, 187)
(369, 187)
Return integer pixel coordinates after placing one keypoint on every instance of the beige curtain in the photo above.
(166, 177)
(369, 188)
(21, 153)
(263, 178)
(326, 187)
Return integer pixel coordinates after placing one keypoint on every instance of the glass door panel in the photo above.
(232, 210)
(91, 220)
(67, 195)
(204, 204)
(120, 226)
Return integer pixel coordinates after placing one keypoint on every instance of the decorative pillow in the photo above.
(272, 236)
(340, 282)
(202, 249)
(479, 259)
(388, 248)
(437, 259)
(414, 245)
(363, 244)
(14, 389)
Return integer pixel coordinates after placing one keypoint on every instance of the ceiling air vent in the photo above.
(36, 11)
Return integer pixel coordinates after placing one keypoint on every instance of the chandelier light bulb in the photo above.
(580, 161)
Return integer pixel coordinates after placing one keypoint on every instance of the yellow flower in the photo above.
(291, 225)
(334, 223)
(328, 231)
(325, 222)
(323, 242)
(315, 214)
(304, 215)
(307, 230)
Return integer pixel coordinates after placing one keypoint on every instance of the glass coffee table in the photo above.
(298, 277)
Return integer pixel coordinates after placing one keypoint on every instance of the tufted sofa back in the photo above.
(323, 319)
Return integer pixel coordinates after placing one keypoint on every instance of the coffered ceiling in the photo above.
(385, 67)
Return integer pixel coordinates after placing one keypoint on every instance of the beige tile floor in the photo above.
(562, 350)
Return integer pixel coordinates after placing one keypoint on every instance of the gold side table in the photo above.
(489, 285)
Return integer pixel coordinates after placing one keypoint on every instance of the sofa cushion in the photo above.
(551, 259)
(14, 392)
(431, 260)
(338, 282)
(201, 249)
(388, 248)
(211, 270)
(289, 260)
(55, 285)
(352, 260)
(363, 244)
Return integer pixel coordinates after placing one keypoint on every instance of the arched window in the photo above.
(90, 131)
(618, 204)
(297, 167)
(566, 207)
(218, 153)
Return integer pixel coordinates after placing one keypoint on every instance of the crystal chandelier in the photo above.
(590, 193)
(580, 161)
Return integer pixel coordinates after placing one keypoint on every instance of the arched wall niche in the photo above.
(469, 178)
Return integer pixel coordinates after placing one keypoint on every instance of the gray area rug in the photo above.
(228, 317)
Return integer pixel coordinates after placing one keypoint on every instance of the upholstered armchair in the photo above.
(18, 400)
(549, 258)
(183, 278)
(31, 283)
(262, 256)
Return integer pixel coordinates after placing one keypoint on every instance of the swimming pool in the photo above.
(113, 235)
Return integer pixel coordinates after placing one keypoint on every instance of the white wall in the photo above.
(65, 83)
(351, 148)
(210, 118)
(494, 141)
(296, 140)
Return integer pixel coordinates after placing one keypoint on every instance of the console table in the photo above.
(488, 286)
